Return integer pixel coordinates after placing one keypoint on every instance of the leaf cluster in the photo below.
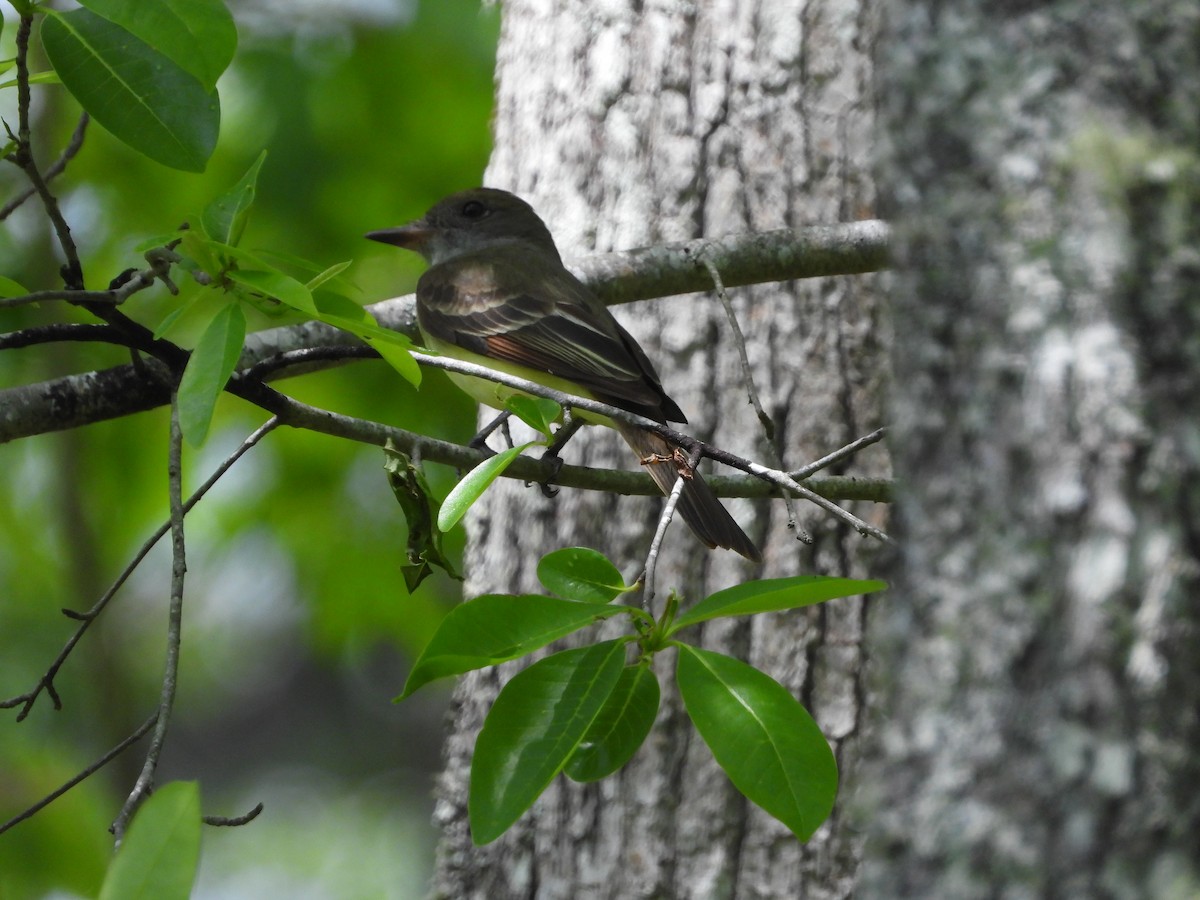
(585, 711)
(251, 280)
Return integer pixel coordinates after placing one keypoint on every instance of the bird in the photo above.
(496, 293)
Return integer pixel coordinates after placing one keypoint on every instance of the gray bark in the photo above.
(628, 124)
(1039, 654)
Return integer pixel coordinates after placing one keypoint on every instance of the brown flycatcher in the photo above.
(497, 294)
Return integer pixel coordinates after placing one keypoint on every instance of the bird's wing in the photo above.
(546, 320)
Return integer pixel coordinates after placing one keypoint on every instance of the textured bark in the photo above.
(631, 123)
(1040, 651)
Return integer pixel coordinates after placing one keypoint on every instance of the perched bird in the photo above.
(497, 294)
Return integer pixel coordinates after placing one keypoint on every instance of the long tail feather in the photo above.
(698, 506)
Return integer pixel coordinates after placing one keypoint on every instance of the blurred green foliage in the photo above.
(298, 629)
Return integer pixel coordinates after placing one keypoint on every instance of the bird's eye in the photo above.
(473, 209)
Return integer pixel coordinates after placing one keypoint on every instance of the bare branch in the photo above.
(234, 821)
(677, 438)
(160, 259)
(660, 532)
(851, 248)
(768, 426)
(301, 415)
(53, 170)
(23, 157)
(841, 453)
(63, 332)
(144, 785)
(90, 770)
(527, 468)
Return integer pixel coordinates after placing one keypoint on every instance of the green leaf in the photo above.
(328, 274)
(199, 36)
(534, 726)
(174, 316)
(10, 288)
(209, 369)
(772, 594)
(420, 511)
(141, 96)
(473, 484)
(199, 251)
(391, 345)
(337, 307)
(319, 276)
(536, 412)
(495, 628)
(50, 77)
(766, 742)
(224, 219)
(620, 728)
(284, 288)
(581, 573)
(161, 849)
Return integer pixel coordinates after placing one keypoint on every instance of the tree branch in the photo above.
(90, 770)
(63, 332)
(848, 248)
(739, 341)
(292, 412)
(144, 785)
(52, 171)
(23, 157)
(623, 277)
(660, 532)
(527, 468)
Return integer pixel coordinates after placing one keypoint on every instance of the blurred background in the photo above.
(298, 629)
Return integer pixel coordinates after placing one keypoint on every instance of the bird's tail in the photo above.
(698, 505)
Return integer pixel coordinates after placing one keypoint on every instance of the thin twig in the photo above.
(63, 332)
(660, 532)
(23, 157)
(90, 770)
(527, 468)
(839, 454)
(784, 480)
(53, 170)
(739, 340)
(273, 365)
(138, 281)
(479, 441)
(234, 821)
(85, 619)
(144, 785)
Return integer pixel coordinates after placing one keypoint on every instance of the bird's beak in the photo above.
(412, 236)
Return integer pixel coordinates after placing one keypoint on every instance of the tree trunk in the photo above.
(1040, 648)
(625, 128)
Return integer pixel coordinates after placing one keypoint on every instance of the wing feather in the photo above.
(548, 321)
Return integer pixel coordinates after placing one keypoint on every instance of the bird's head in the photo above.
(470, 221)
